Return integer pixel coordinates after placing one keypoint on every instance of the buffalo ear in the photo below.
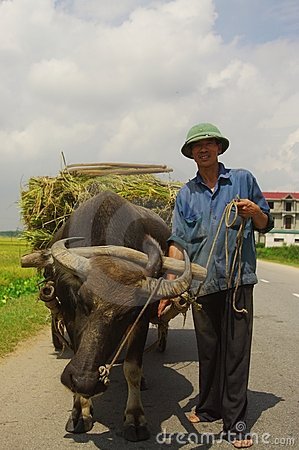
(155, 256)
(38, 258)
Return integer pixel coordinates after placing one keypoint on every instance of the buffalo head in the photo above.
(107, 293)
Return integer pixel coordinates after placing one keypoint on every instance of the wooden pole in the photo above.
(99, 172)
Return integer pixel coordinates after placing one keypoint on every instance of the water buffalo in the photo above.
(101, 296)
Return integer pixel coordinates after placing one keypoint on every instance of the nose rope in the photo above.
(105, 369)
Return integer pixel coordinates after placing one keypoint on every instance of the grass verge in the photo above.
(20, 319)
(21, 316)
(283, 255)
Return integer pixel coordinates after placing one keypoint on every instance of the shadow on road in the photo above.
(258, 402)
(167, 388)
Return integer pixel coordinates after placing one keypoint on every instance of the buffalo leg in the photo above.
(80, 420)
(55, 339)
(135, 425)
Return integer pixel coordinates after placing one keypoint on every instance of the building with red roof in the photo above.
(284, 208)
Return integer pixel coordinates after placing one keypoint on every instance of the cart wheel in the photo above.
(162, 336)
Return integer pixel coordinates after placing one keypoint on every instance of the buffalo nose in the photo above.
(84, 383)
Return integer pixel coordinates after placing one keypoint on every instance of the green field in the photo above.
(20, 314)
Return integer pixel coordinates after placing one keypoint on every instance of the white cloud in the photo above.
(42, 137)
(126, 83)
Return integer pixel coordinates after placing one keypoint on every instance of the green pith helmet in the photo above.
(203, 131)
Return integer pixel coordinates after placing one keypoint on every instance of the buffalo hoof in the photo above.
(79, 426)
(136, 433)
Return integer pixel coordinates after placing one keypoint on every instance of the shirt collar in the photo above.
(223, 173)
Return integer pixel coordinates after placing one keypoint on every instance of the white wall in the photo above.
(275, 239)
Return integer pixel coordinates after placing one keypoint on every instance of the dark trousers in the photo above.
(224, 343)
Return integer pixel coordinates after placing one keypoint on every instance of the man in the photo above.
(223, 324)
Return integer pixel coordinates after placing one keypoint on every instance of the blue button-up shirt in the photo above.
(197, 213)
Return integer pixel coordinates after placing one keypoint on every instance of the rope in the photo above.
(105, 370)
(230, 208)
(237, 255)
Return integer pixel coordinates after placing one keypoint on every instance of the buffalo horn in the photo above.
(173, 288)
(78, 265)
(172, 265)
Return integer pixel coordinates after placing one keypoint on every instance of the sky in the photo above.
(106, 81)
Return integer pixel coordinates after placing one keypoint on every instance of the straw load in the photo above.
(46, 202)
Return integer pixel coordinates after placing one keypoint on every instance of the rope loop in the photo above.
(231, 207)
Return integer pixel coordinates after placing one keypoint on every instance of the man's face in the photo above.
(205, 152)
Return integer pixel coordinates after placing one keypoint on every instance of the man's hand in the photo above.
(162, 305)
(248, 209)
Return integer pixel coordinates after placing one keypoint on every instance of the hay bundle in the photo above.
(47, 202)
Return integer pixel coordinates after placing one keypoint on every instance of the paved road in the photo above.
(35, 406)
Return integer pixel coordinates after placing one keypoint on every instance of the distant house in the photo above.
(284, 208)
